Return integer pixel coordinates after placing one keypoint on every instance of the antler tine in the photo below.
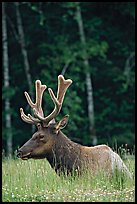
(39, 93)
(25, 117)
(36, 106)
(35, 120)
(62, 88)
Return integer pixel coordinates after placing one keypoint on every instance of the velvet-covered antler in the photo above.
(37, 109)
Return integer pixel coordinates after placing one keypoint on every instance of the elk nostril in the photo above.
(19, 153)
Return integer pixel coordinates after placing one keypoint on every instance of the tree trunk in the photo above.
(23, 46)
(130, 63)
(6, 80)
(88, 78)
(24, 51)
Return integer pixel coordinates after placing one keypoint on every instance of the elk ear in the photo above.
(62, 123)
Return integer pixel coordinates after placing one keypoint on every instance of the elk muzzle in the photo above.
(23, 154)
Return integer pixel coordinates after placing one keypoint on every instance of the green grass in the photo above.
(35, 180)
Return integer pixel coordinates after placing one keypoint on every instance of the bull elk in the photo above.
(49, 141)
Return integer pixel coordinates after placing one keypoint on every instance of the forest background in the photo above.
(92, 43)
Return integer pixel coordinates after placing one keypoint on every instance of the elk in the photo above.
(49, 142)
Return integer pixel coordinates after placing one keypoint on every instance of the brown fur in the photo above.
(64, 155)
(49, 142)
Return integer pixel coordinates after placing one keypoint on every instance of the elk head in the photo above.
(43, 140)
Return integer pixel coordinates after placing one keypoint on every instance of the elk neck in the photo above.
(65, 154)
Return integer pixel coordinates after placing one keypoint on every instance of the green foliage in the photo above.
(8, 92)
(53, 42)
(96, 48)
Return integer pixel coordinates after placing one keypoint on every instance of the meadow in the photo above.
(36, 181)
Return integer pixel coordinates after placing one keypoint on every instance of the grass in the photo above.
(36, 181)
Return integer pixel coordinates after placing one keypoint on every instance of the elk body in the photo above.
(64, 155)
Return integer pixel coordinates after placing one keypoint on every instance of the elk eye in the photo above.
(38, 126)
(41, 136)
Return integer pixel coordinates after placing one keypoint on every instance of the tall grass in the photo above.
(35, 180)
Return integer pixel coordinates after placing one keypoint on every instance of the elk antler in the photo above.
(62, 88)
(37, 109)
(37, 105)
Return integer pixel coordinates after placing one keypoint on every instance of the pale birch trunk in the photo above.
(6, 80)
(88, 78)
